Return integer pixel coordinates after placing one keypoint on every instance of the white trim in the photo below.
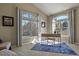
(17, 27)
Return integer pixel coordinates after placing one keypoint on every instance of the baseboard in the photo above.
(77, 43)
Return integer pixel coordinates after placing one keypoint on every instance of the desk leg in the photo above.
(54, 43)
(60, 44)
(47, 42)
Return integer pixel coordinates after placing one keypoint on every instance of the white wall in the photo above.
(77, 24)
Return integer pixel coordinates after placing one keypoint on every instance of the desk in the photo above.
(51, 36)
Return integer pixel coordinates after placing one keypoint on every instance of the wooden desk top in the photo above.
(50, 35)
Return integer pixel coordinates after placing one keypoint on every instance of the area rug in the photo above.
(64, 48)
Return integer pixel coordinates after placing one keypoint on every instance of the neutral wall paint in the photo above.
(9, 33)
(49, 24)
(77, 24)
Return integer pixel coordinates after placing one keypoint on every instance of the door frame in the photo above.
(18, 27)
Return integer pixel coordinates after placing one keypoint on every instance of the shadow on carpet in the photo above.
(65, 49)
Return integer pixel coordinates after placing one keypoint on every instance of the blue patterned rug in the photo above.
(65, 49)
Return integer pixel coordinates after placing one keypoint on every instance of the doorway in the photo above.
(27, 27)
(61, 25)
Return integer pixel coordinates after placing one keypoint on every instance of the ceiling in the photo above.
(52, 8)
